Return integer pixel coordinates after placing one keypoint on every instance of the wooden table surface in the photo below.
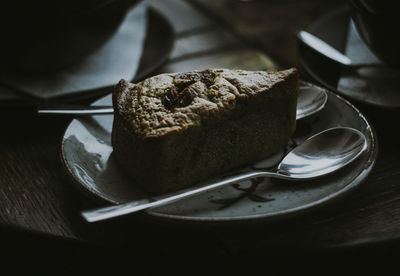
(39, 203)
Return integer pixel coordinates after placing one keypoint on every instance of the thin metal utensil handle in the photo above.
(327, 50)
(86, 110)
(134, 206)
(323, 48)
(76, 110)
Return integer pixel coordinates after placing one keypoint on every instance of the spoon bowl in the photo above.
(310, 100)
(321, 154)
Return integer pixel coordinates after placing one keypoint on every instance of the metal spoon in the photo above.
(319, 155)
(328, 51)
(310, 100)
(75, 110)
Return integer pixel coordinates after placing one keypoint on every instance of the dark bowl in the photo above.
(377, 22)
(44, 35)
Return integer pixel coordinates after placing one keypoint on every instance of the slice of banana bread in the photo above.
(173, 130)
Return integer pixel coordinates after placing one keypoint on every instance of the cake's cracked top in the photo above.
(172, 102)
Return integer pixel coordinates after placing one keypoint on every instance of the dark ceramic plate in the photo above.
(87, 155)
(373, 86)
(159, 32)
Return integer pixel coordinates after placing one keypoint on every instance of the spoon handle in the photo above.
(75, 110)
(328, 51)
(323, 48)
(134, 206)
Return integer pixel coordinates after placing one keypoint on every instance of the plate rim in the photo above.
(352, 184)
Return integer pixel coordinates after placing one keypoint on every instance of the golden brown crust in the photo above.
(168, 103)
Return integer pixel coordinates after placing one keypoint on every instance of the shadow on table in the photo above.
(33, 252)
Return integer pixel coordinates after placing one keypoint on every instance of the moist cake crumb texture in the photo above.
(171, 131)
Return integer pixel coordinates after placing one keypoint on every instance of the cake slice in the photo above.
(171, 131)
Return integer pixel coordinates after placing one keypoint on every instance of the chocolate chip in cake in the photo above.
(178, 98)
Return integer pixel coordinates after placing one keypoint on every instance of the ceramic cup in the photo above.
(46, 35)
(377, 23)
